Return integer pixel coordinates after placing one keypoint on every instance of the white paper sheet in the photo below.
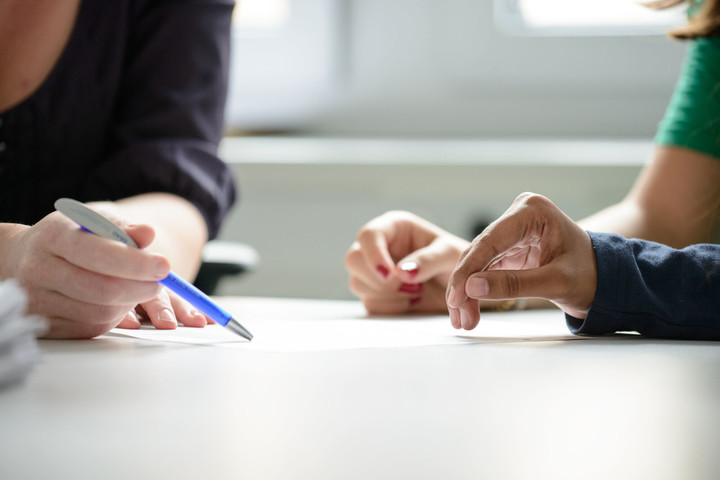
(285, 325)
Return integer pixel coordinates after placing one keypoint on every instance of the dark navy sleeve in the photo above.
(168, 117)
(653, 289)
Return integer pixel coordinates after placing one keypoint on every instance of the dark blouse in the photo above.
(134, 105)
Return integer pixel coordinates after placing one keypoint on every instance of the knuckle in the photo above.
(522, 198)
(156, 303)
(398, 215)
(512, 285)
(108, 291)
(392, 217)
(366, 234)
(526, 197)
(535, 200)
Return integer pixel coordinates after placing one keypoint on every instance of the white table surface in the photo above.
(118, 407)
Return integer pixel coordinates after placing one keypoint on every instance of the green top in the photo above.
(692, 119)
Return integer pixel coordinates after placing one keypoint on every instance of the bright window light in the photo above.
(261, 14)
(285, 61)
(591, 17)
(545, 13)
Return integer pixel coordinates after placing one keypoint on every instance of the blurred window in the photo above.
(584, 17)
(261, 17)
(284, 63)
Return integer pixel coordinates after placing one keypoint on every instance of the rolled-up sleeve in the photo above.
(168, 118)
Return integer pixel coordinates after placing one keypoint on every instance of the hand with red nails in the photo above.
(532, 250)
(401, 263)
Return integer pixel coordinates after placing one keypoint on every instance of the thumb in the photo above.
(438, 258)
(143, 235)
(506, 284)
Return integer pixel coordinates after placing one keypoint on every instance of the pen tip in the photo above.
(235, 327)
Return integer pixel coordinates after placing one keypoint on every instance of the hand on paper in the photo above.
(165, 311)
(83, 284)
(532, 250)
(401, 263)
(180, 237)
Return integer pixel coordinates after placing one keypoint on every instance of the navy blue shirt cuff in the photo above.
(653, 289)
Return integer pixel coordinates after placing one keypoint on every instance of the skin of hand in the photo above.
(532, 250)
(181, 235)
(400, 263)
(83, 284)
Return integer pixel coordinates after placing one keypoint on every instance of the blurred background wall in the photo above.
(342, 109)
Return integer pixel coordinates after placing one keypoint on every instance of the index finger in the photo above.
(373, 243)
(108, 257)
(484, 250)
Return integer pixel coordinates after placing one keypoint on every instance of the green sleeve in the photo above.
(692, 119)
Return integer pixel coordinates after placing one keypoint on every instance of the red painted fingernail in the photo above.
(411, 268)
(411, 287)
(415, 301)
(383, 271)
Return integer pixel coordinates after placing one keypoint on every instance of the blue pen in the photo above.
(93, 222)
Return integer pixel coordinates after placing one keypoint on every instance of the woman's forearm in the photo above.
(675, 201)
(180, 230)
(624, 218)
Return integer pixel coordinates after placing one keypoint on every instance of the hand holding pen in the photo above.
(85, 285)
(91, 221)
(82, 285)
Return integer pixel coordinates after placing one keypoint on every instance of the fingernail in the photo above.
(411, 287)
(477, 287)
(411, 268)
(382, 269)
(415, 301)
(161, 270)
(199, 317)
(166, 315)
(134, 318)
